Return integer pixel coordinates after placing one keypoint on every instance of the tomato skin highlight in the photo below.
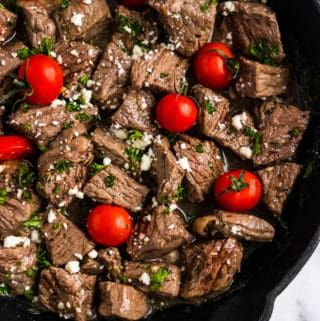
(176, 113)
(14, 148)
(216, 46)
(238, 201)
(45, 76)
(134, 4)
(109, 225)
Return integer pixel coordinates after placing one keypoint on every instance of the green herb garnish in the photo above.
(45, 48)
(256, 138)
(4, 290)
(134, 155)
(200, 149)
(29, 294)
(64, 4)
(34, 222)
(3, 194)
(158, 278)
(109, 181)
(95, 168)
(128, 26)
(164, 75)
(83, 80)
(26, 177)
(62, 166)
(205, 7)
(134, 134)
(294, 132)
(262, 52)
(43, 258)
(209, 107)
(83, 117)
(32, 272)
(73, 106)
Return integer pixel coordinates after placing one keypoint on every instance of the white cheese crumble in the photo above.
(87, 1)
(35, 237)
(86, 95)
(137, 52)
(51, 216)
(145, 278)
(93, 254)
(146, 161)
(238, 121)
(72, 267)
(75, 192)
(107, 161)
(13, 241)
(77, 18)
(184, 163)
(246, 151)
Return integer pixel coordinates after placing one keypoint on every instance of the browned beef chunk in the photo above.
(277, 182)
(161, 70)
(38, 23)
(205, 165)
(82, 21)
(14, 264)
(256, 80)
(112, 76)
(77, 59)
(157, 234)
(240, 226)
(108, 145)
(210, 267)
(44, 124)
(281, 128)
(135, 111)
(168, 171)
(122, 301)
(111, 259)
(63, 168)
(70, 295)
(189, 23)
(91, 267)
(64, 241)
(114, 186)
(8, 22)
(145, 277)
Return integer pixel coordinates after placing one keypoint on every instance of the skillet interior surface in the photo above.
(268, 270)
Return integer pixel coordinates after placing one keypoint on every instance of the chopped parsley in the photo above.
(27, 126)
(43, 148)
(180, 194)
(256, 138)
(95, 168)
(73, 106)
(262, 52)
(43, 258)
(24, 108)
(200, 149)
(64, 4)
(134, 155)
(158, 278)
(3, 194)
(294, 132)
(134, 134)
(122, 278)
(45, 48)
(29, 294)
(4, 290)
(26, 177)
(205, 7)
(173, 138)
(209, 107)
(32, 272)
(67, 125)
(128, 26)
(62, 166)
(109, 181)
(56, 190)
(83, 117)
(57, 226)
(34, 222)
(164, 75)
(83, 80)
(309, 170)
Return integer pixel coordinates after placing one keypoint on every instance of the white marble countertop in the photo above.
(300, 301)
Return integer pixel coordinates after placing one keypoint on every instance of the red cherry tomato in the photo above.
(238, 191)
(214, 66)
(134, 4)
(45, 76)
(176, 113)
(109, 225)
(14, 147)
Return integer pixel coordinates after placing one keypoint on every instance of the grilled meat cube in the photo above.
(70, 295)
(281, 128)
(157, 234)
(122, 301)
(91, 267)
(161, 70)
(278, 182)
(8, 22)
(210, 267)
(123, 190)
(111, 259)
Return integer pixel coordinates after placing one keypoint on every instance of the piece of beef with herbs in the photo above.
(158, 234)
(82, 21)
(135, 111)
(114, 186)
(160, 70)
(189, 24)
(210, 267)
(38, 22)
(278, 182)
(112, 77)
(63, 168)
(69, 295)
(8, 22)
(64, 240)
(111, 259)
(281, 128)
(168, 171)
(18, 264)
(158, 278)
(122, 301)
(256, 80)
(204, 164)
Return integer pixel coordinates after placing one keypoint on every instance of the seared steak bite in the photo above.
(157, 234)
(70, 295)
(112, 77)
(17, 257)
(38, 23)
(204, 165)
(113, 186)
(281, 128)
(91, 267)
(64, 241)
(82, 20)
(63, 168)
(278, 182)
(159, 278)
(210, 267)
(111, 259)
(135, 111)
(189, 23)
(161, 70)
(240, 226)
(122, 301)
(8, 22)
(256, 80)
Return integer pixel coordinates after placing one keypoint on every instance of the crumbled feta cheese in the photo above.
(145, 278)
(107, 161)
(75, 192)
(146, 161)
(93, 254)
(87, 1)
(120, 133)
(184, 163)
(60, 305)
(58, 102)
(246, 151)
(172, 207)
(35, 237)
(86, 95)
(238, 121)
(72, 267)
(13, 241)
(51, 216)
(77, 18)
(144, 142)
(78, 256)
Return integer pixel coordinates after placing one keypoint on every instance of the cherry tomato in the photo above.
(14, 147)
(134, 4)
(45, 77)
(238, 190)
(215, 66)
(176, 113)
(109, 225)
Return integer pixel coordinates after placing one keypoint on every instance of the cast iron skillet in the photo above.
(270, 269)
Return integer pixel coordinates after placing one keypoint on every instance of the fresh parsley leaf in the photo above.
(95, 168)
(83, 80)
(27, 126)
(64, 4)
(309, 170)
(34, 222)
(128, 26)
(25, 177)
(180, 194)
(164, 75)
(73, 106)
(256, 138)
(3, 194)
(122, 278)
(23, 53)
(208, 106)
(62, 166)
(109, 181)
(24, 108)
(134, 134)
(158, 278)
(262, 52)
(56, 190)
(43, 258)
(83, 117)
(67, 125)
(29, 294)
(43, 148)
(134, 155)
(4, 290)
(32, 272)
(294, 132)
(200, 149)
(205, 7)
(173, 138)
(46, 46)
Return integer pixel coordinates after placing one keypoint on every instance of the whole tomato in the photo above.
(176, 113)
(238, 190)
(14, 147)
(45, 77)
(109, 225)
